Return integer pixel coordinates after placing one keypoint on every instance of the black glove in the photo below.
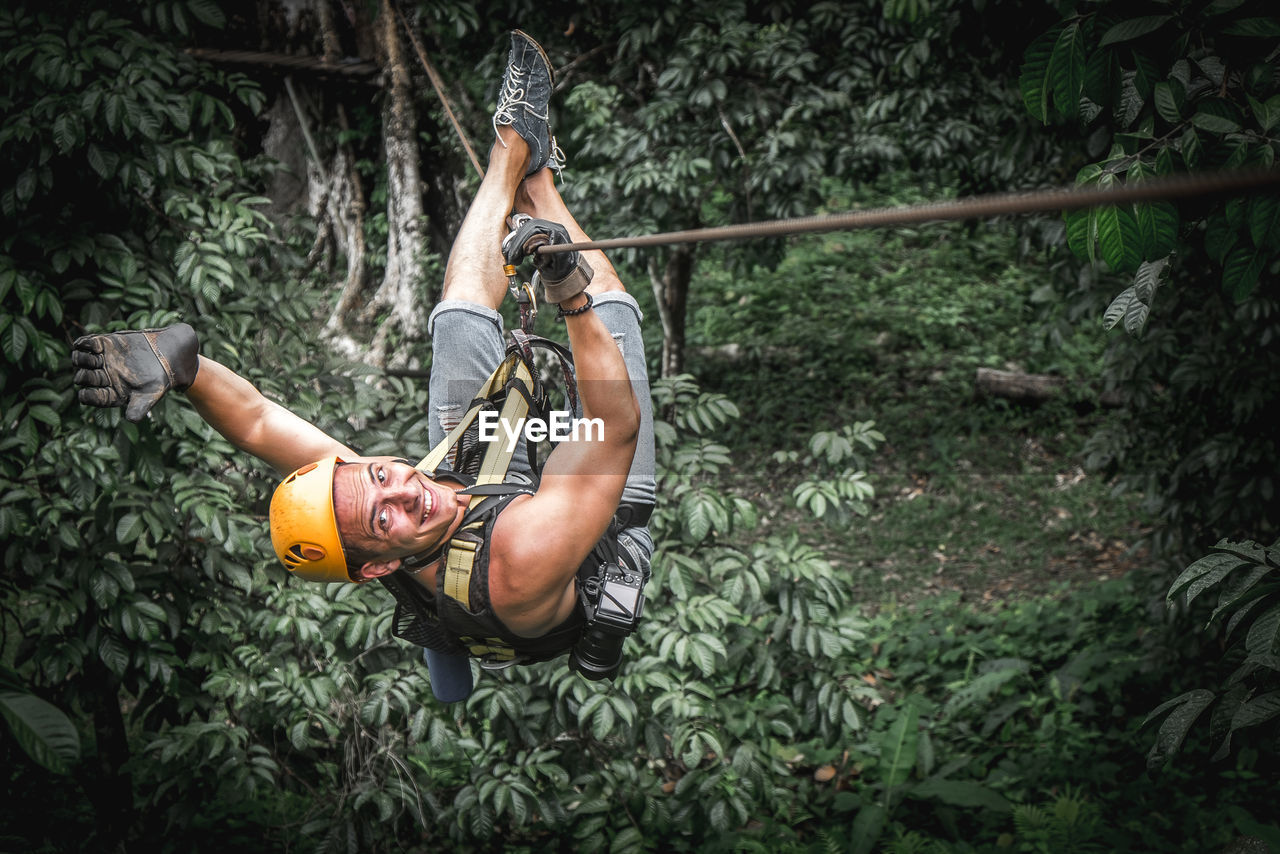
(134, 369)
(563, 274)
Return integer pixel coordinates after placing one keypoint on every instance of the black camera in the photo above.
(613, 601)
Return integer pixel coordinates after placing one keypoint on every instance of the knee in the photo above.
(466, 289)
(604, 278)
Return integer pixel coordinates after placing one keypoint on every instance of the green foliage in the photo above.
(1246, 579)
(221, 704)
(133, 553)
(1069, 823)
(706, 114)
(844, 490)
(41, 729)
(1157, 90)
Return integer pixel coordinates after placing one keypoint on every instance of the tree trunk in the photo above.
(401, 293)
(671, 292)
(110, 788)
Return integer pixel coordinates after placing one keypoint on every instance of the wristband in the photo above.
(561, 314)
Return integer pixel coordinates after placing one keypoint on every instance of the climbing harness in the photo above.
(610, 580)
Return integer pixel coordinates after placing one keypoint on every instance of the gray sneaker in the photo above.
(523, 102)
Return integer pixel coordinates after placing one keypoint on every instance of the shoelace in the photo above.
(556, 158)
(512, 97)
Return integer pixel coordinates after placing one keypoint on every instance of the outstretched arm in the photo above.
(134, 369)
(235, 408)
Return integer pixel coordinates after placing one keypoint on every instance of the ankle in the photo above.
(510, 148)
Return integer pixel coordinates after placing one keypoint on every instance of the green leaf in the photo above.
(1254, 27)
(1034, 81)
(867, 828)
(984, 686)
(64, 133)
(42, 730)
(1147, 279)
(129, 528)
(1237, 591)
(1201, 575)
(1186, 708)
(1190, 148)
(1217, 116)
(1133, 28)
(1264, 634)
(1099, 74)
(1118, 239)
(1082, 232)
(1157, 228)
(207, 12)
(1119, 307)
(1243, 614)
(962, 793)
(1169, 100)
(898, 749)
(26, 184)
(113, 653)
(1245, 549)
(1259, 710)
(1220, 7)
(1218, 570)
(1267, 113)
(13, 341)
(1066, 70)
(1264, 221)
(1240, 272)
(696, 516)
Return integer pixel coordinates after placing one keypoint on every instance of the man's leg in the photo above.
(474, 270)
(539, 198)
(465, 326)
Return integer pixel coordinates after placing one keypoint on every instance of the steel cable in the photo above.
(974, 207)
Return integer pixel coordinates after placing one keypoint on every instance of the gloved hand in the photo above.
(134, 369)
(564, 275)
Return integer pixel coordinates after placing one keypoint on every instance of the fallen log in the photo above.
(1030, 388)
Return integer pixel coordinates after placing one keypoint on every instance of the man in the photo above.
(341, 516)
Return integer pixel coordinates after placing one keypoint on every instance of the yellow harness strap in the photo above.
(461, 553)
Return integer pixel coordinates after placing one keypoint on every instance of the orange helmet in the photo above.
(304, 528)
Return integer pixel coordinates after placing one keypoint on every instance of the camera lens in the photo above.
(597, 655)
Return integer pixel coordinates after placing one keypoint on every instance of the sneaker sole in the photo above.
(551, 72)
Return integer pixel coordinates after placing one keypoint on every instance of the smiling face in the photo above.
(389, 509)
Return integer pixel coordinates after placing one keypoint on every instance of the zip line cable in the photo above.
(974, 207)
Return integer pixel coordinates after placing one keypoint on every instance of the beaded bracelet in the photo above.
(561, 314)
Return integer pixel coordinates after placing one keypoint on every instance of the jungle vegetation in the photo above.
(887, 614)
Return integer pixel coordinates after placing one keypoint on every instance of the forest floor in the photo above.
(984, 536)
(975, 497)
